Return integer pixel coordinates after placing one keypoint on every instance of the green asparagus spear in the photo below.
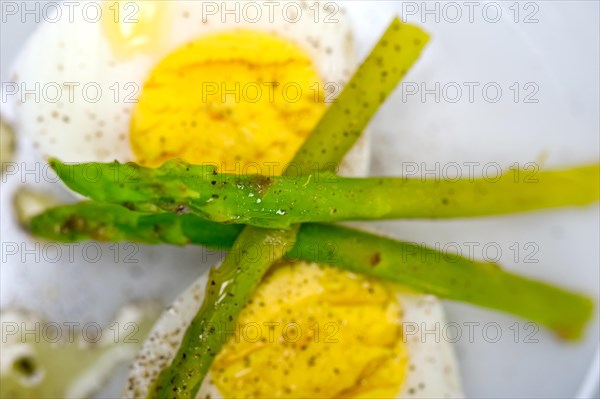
(236, 279)
(180, 187)
(90, 220)
(421, 268)
(335, 134)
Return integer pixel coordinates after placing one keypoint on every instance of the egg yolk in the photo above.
(314, 331)
(235, 98)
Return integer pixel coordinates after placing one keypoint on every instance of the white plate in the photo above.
(558, 56)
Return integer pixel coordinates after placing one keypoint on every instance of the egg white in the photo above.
(77, 54)
(432, 370)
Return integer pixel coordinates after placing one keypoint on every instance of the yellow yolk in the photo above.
(234, 98)
(314, 331)
(135, 26)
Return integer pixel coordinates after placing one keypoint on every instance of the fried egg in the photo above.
(154, 80)
(313, 331)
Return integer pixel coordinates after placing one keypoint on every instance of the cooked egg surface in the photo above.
(313, 331)
(99, 80)
(214, 100)
(320, 332)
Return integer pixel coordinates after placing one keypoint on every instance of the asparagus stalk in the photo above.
(418, 267)
(236, 279)
(89, 220)
(241, 199)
